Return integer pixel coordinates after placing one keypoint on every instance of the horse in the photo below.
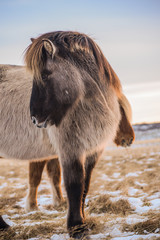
(77, 104)
(123, 138)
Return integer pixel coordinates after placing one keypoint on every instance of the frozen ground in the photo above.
(123, 202)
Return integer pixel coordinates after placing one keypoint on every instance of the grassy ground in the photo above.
(122, 201)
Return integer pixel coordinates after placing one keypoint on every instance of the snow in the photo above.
(116, 175)
(138, 237)
(133, 174)
(106, 178)
(45, 200)
(137, 204)
(155, 195)
(133, 219)
(115, 232)
(3, 185)
(151, 159)
(99, 236)
(18, 186)
(29, 223)
(60, 237)
(132, 191)
(112, 193)
(140, 184)
(155, 204)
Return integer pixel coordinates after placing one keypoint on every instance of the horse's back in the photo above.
(19, 137)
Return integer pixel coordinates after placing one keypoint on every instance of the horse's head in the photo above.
(66, 66)
(57, 84)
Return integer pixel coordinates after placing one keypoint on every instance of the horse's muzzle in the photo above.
(39, 125)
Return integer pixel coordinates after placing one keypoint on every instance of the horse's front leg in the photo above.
(35, 174)
(74, 177)
(89, 165)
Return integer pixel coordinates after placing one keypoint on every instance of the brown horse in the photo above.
(77, 97)
(124, 137)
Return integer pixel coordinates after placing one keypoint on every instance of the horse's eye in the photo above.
(45, 75)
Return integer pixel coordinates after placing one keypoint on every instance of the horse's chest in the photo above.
(95, 127)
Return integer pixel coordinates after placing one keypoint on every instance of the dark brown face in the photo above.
(61, 87)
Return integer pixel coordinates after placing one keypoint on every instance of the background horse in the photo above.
(78, 98)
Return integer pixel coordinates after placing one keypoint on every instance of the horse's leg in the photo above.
(54, 174)
(89, 165)
(3, 224)
(73, 173)
(35, 174)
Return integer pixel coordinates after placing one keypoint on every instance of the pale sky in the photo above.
(128, 32)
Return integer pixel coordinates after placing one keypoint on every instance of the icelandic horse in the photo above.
(76, 103)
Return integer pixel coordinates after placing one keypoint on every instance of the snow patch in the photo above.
(133, 219)
(60, 237)
(111, 193)
(115, 232)
(3, 185)
(116, 175)
(138, 237)
(132, 191)
(140, 184)
(155, 204)
(99, 236)
(134, 174)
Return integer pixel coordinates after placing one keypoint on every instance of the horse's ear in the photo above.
(49, 47)
(32, 39)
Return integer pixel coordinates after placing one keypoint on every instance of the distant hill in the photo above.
(146, 131)
(146, 126)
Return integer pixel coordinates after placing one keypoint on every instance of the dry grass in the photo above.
(102, 213)
(103, 204)
(27, 232)
(150, 226)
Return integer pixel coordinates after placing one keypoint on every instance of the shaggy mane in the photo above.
(124, 103)
(72, 42)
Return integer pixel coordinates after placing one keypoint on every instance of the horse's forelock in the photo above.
(34, 59)
(72, 42)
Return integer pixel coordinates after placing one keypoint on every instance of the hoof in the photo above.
(79, 232)
(3, 224)
(29, 207)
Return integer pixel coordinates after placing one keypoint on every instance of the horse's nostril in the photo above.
(34, 120)
(131, 140)
(123, 142)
